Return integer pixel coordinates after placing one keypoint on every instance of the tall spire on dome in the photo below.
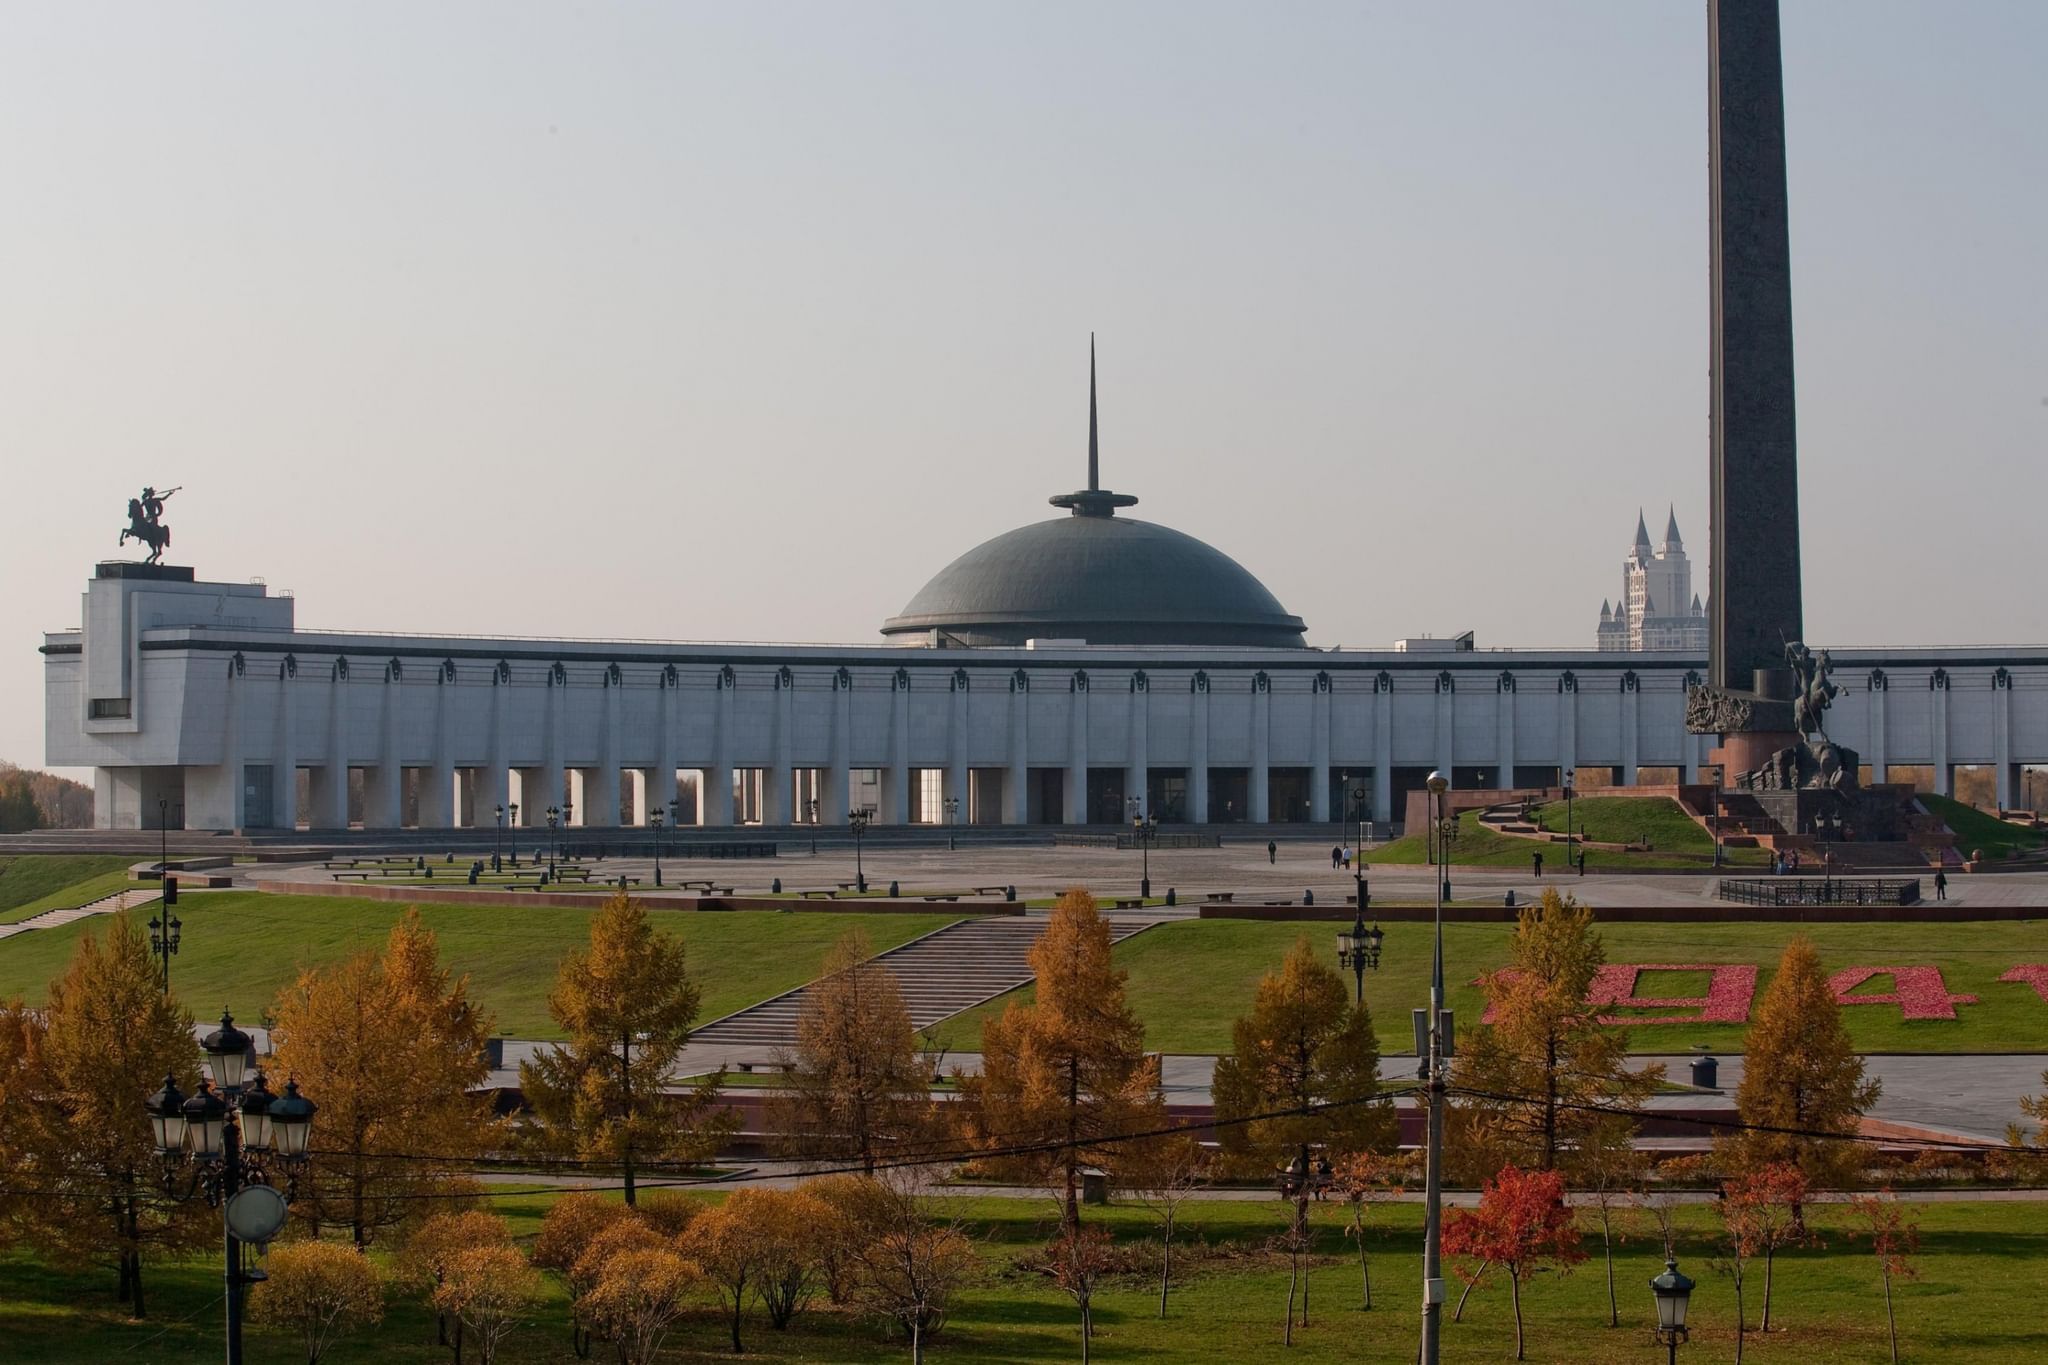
(1642, 531)
(1671, 540)
(1094, 500)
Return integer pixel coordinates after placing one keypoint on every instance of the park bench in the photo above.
(818, 895)
(847, 886)
(1288, 901)
(1128, 903)
(1219, 897)
(704, 884)
(941, 897)
(992, 890)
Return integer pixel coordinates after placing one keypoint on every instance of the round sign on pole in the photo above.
(255, 1213)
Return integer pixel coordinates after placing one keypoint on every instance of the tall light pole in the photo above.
(514, 809)
(1570, 865)
(857, 821)
(554, 820)
(497, 839)
(1143, 827)
(952, 809)
(654, 818)
(1434, 1043)
(1358, 948)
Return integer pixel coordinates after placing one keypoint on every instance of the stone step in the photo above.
(106, 905)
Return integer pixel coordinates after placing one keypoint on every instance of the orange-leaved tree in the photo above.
(1537, 1075)
(856, 1084)
(320, 1290)
(492, 1289)
(1894, 1239)
(1064, 1077)
(628, 1005)
(1362, 1180)
(1758, 1211)
(1521, 1225)
(637, 1299)
(433, 1247)
(108, 1038)
(343, 1032)
(566, 1233)
(1303, 1072)
(1803, 1092)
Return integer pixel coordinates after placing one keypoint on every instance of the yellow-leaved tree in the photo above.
(389, 1047)
(1537, 1076)
(856, 1084)
(1066, 1075)
(109, 1037)
(318, 1290)
(628, 1005)
(1802, 1080)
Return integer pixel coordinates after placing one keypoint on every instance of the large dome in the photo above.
(1100, 578)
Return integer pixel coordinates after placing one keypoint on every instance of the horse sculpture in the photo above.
(154, 534)
(1816, 693)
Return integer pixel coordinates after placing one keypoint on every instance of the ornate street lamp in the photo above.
(857, 821)
(1569, 774)
(1143, 828)
(497, 837)
(654, 819)
(554, 820)
(513, 810)
(1358, 950)
(1674, 1293)
(163, 939)
(812, 806)
(232, 1138)
(1433, 1043)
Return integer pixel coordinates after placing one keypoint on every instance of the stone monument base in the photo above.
(1747, 751)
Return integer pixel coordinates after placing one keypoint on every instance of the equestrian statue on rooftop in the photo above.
(146, 522)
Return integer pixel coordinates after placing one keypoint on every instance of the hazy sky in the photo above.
(738, 321)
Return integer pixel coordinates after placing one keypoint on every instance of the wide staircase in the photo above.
(947, 971)
(105, 905)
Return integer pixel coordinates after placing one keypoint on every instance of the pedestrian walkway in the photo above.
(946, 971)
(105, 905)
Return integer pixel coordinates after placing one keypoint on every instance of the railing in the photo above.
(1131, 840)
(1821, 891)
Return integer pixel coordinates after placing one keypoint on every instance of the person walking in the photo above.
(1335, 854)
(1347, 857)
(1940, 884)
(1536, 863)
(1272, 852)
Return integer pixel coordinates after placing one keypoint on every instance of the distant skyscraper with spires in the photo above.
(1658, 609)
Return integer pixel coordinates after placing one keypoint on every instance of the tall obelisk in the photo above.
(1755, 605)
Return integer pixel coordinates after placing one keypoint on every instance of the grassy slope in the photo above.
(1975, 1302)
(240, 947)
(1676, 841)
(1227, 958)
(1974, 829)
(35, 882)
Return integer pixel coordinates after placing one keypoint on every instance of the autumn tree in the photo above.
(107, 1040)
(1168, 1173)
(319, 1291)
(910, 1256)
(433, 1247)
(1078, 1260)
(757, 1240)
(1362, 1180)
(1065, 1076)
(1303, 1072)
(628, 1005)
(1522, 1226)
(1802, 1080)
(1894, 1239)
(857, 1083)
(2027, 1155)
(637, 1299)
(344, 1031)
(566, 1232)
(492, 1290)
(22, 1117)
(1610, 1172)
(1758, 1211)
(1536, 1079)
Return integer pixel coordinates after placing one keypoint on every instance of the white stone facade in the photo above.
(1658, 609)
(203, 704)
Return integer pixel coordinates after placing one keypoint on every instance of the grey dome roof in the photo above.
(1101, 578)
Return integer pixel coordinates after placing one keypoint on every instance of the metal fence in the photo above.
(1822, 891)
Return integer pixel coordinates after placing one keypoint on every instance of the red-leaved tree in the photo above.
(1895, 1238)
(1759, 1210)
(1522, 1226)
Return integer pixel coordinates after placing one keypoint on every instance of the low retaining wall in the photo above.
(659, 900)
(1931, 912)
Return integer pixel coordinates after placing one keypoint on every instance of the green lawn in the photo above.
(34, 882)
(1227, 957)
(241, 947)
(1976, 1301)
(1975, 829)
(1676, 841)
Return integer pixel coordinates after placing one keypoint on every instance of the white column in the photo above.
(956, 751)
(1445, 747)
(383, 788)
(2001, 736)
(714, 799)
(437, 783)
(833, 801)
(1567, 724)
(1880, 733)
(1076, 799)
(1137, 763)
(1383, 750)
(1198, 749)
(896, 789)
(1504, 729)
(1319, 749)
(1017, 789)
(1631, 699)
(662, 791)
(1944, 779)
(600, 805)
(284, 772)
(779, 782)
(495, 790)
(233, 789)
(329, 789)
(1259, 799)
(553, 740)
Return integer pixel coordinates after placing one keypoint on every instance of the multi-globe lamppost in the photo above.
(1144, 828)
(231, 1140)
(857, 821)
(163, 931)
(1434, 1046)
(654, 817)
(1358, 949)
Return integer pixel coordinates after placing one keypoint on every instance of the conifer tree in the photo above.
(628, 1005)
(1545, 1063)
(856, 1083)
(110, 1037)
(1068, 1071)
(1801, 1079)
(344, 1032)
